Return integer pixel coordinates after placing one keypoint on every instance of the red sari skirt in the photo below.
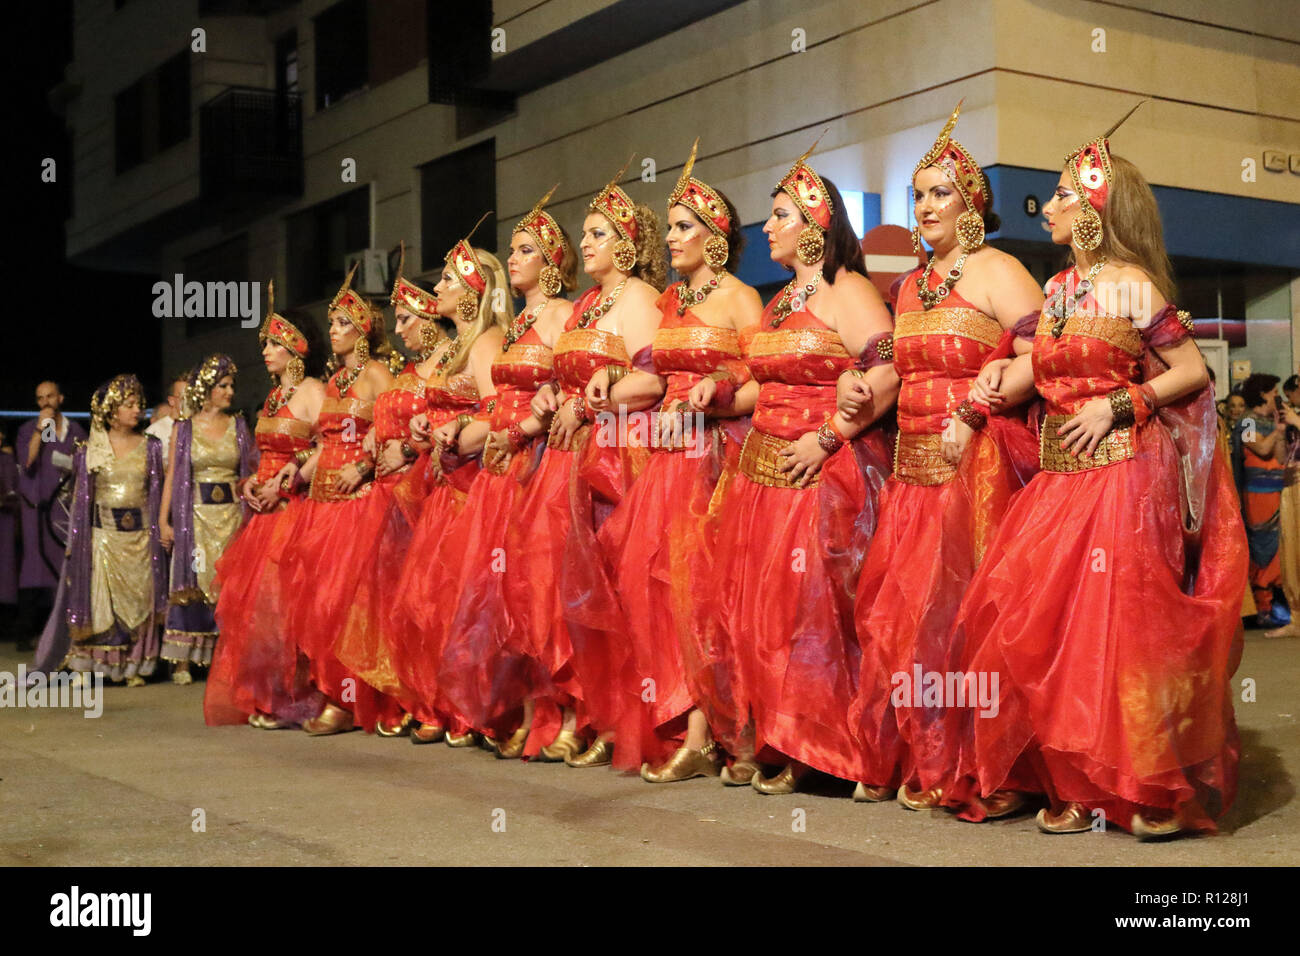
(1113, 641)
(786, 564)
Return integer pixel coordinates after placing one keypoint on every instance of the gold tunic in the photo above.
(121, 579)
(214, 461)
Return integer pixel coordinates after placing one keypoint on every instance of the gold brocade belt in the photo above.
(760, 461)
(918, 460)
(1115, 446)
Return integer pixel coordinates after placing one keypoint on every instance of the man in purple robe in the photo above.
(44, 451)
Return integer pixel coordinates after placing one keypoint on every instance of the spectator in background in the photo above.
(8, 536)
(167, 414)
(1261, 436)
(44, 451)
(1289, 511)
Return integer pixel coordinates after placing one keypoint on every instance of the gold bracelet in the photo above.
(1121, 407)
(616, 373)
(301, 456)
(462, 420)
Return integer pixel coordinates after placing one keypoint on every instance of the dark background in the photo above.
(64, 322)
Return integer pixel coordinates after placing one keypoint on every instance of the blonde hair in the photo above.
(651, 260)
(1131, 230)
(496, 292)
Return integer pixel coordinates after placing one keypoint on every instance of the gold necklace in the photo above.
(278, 399)
(688, 298)
(593, 314)
(791, 301)
(520, 327)
(345, 378)
(929, 299)
(1060, 307)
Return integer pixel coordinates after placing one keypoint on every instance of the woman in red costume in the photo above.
(794, 525)
(321, 560)
(472, 293)
(955, 469)
(385, 517)
(478, 673)
(255, 675)
(654, 538)
(550, 545)
(1108, 601)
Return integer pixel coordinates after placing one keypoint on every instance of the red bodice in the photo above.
(937, 354)
(448, 397)
(686, 349)
(517, 375)
(797, 366)
(278, 438)
(395, 408)
(580, 353)
(342, 424)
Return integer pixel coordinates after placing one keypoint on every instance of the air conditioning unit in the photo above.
(372, 273)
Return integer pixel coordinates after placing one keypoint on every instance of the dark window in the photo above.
(342, 52)
(455, 191)
(318, 240)
(153, 113)
(286, 62)
(397, 39)
(128, 126)
(174, 101)
(225, 262)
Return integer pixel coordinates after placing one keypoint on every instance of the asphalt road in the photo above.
(131, 787)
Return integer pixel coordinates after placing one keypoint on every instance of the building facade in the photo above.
(239, 141)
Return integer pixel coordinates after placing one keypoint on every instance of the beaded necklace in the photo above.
(792, 301)
(1060, 306)
(278, 399)
(345, 378)
(688, 298)
(520, 327)
(589, 316)
(929, 299)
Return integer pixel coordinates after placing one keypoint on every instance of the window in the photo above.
(286, 62)
(318, 240)
(342, 52)
(173, 80)
(397, 39)
(455, 191)
(128, 126)
(153, 113)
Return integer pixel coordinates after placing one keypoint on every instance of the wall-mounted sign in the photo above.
(1032, 208)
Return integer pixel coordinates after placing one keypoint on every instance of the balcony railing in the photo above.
(250, 147)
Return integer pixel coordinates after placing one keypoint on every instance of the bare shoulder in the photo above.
(641, 292)
(1001, 264)
(857, 289)
(487, 344)
(378, 375)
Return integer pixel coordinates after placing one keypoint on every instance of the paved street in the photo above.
(124, 790)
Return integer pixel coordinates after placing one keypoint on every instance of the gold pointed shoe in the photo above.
(597, 755)
(469, 739)
(332, 720)
(684, 764)
(1148, 830)
(1003, 803)
(782, 783)
(865, 794)
(427, 734)
(739, 774)
(1073, 819)
(400, 729)
(513, 748)
(920, 799)
(267, 722)
(565, 745)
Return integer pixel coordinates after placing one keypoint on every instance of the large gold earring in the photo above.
(810, 246)
(1087, 228)
(430, 334)
(467, 306)
(716, 252)
(297, 371)
(916, 239)
(362, 350)
(624, 255)
(550, 282)
(970, 230)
